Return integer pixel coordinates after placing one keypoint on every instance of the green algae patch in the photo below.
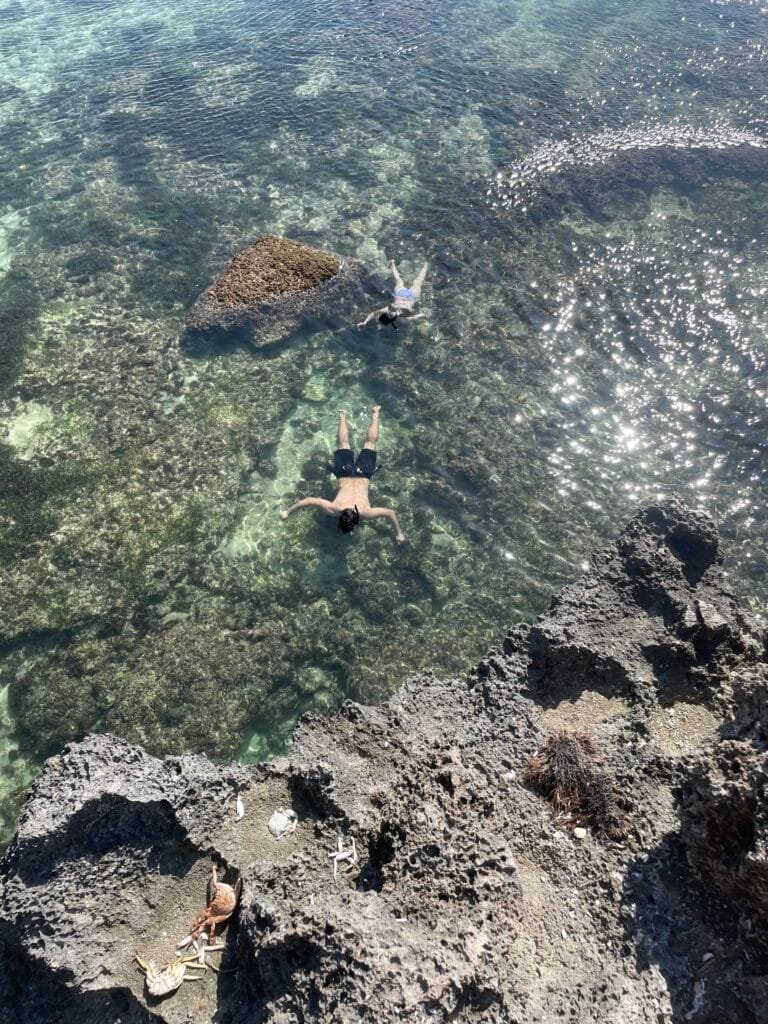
(28, 499)
(20, 308)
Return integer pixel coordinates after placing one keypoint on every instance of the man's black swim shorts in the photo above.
(344, 463)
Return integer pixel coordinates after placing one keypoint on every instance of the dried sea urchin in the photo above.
(567, 772)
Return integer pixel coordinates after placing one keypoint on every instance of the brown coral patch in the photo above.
(271, 267)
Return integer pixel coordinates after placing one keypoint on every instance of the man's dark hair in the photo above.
(388, 318)
(349, 519)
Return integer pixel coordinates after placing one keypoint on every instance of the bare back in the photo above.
(353, 491)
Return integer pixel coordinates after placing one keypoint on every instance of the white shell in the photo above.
(282, 822)
(162, 980)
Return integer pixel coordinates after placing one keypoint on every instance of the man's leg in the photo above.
(342, 440)
(373, 430)
(399, 283)
(419, 280)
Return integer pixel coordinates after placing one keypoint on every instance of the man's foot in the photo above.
(375, 409)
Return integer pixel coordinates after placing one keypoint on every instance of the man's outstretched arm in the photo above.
(386, 513)
(326, 506)
(376, 312)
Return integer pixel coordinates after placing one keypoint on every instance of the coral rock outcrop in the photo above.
(270, 286)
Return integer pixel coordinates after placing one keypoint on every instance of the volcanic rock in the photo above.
(470, 899)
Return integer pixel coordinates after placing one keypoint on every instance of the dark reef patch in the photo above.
(27, 493)
(20, 307)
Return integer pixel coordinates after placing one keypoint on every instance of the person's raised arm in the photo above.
(326, 506)
(385, 513)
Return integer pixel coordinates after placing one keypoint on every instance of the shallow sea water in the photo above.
(590, 185)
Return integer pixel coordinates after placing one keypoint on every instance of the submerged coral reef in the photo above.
(271, 267)
(270, 286)
(423, 879)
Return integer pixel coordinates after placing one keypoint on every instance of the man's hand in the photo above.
(362, 324)
(400, 537)
(283, 514)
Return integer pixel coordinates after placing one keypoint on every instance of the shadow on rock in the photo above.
(148, 832)
(712, 958)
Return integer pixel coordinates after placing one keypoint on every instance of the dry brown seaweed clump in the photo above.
(271, 267)
(567, 771)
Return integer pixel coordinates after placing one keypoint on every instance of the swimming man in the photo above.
(351, 503)
(404, 301)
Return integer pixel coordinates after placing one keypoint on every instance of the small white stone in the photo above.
(510, 775)
(707, 957)
(239, 808)
(580, 833)
(283, 822)
(564, 934)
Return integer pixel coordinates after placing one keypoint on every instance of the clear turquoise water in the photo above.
(590, 185)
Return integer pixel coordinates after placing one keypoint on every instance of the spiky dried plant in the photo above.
(567, 771)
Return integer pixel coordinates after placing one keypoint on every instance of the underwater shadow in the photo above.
(215, 343)
(219, 343)
(331, 549)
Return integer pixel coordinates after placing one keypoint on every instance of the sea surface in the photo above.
(589, 183)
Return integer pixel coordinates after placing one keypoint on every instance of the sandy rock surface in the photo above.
(467, 898)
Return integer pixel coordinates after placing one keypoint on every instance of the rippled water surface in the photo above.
(589, 182)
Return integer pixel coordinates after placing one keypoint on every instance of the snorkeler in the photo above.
(351, 502)
(404, 301)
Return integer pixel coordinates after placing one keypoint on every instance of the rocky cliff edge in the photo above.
(469, 896)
